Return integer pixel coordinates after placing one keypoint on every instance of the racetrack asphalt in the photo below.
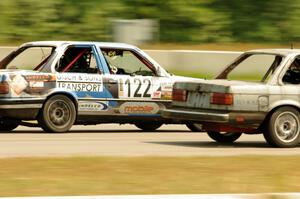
(127, 140)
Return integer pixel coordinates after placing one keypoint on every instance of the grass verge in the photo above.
(148, 175)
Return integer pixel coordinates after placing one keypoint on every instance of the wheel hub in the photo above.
(59, 113)
(287, 126)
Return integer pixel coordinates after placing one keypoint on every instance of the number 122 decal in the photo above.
(137, 87)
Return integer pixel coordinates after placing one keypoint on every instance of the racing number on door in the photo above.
(141, 88)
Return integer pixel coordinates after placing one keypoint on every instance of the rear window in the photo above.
(31, 58)
(253, 67)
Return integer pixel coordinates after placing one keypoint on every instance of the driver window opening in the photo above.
(292, 75)
(77, 60)
(125, 62)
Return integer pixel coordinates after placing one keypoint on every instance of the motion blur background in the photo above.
(200, 21)
(165, 29)
(233, 25)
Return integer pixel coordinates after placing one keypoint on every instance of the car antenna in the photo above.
(292, 46)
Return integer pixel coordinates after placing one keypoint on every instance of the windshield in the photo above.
(28, 58)
(252, 67)
(127, 62)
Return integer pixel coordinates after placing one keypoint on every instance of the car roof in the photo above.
(283, 52)
(59, 43)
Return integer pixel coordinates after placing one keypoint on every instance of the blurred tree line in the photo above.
(180, 20)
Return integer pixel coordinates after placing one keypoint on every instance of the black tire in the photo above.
(283, 128)
(148, 126)
(57, 115)
(8, 125)
(224, 137)
(195, 127)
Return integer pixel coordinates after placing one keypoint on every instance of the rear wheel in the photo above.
(57, 115)
(195, 127)
(148, 126)
(8, 125)
(283, 128)
(224, 137)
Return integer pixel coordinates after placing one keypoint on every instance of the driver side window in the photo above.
(292, 75)
(126, 62)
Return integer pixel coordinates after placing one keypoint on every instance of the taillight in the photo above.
(179, 95)
(221, 98)
(4, 88)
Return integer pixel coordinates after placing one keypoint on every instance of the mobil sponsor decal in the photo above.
(92, 106)
(80, 82)
(139, 108)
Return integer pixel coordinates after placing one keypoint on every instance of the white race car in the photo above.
(64, 83)
(226, 107)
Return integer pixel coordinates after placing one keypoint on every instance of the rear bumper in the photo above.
(196, 116)
(238, 119)
(26, 108)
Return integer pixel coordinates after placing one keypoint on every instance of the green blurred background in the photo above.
(180, 21)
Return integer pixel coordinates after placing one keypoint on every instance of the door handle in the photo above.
(112, 81)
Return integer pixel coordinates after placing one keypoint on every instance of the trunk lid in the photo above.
(204, 94)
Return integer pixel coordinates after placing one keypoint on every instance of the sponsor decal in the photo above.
(36, 84)
(40, 78)
(18, 84)
(156, 95)
(30, 84)
(80, 87)
(80, 82)
(139, 108)
(79, 78)
(166, 87)
(92, 106)
(166, 95)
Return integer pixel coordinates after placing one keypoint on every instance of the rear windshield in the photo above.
(252, 67)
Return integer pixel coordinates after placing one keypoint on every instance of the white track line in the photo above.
(191, 196)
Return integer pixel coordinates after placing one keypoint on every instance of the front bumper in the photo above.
(238, 119)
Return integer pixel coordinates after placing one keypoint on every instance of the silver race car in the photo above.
(268, 102)
(64, 83)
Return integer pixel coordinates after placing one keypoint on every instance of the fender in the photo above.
(286, 102)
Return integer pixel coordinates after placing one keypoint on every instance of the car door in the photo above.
(80, 74)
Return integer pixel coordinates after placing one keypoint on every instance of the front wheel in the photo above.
(8, 125)
(226, 137)
(148, 126)
(283, 128)
(57, 115)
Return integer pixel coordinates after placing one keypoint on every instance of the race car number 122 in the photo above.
(139, 88)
